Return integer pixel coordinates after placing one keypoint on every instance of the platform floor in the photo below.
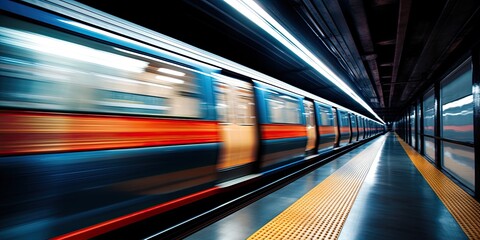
(393, 201)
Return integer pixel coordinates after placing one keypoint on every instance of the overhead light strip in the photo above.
(259, 16)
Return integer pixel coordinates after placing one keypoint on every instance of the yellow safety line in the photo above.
(321, 213)
(464, 208)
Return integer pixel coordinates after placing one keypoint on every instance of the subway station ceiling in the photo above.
(388, 51)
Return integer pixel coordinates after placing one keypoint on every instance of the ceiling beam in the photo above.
(456, 22)
(356, 7)
(403, 17)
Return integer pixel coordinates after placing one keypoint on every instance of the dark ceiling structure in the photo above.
(388, 51)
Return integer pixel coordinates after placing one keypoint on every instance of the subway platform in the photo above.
(380, 190)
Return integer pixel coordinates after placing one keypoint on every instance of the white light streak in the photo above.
(256, 14)
(49, 45)
(169, 79)
(131, 81)
(171, 72)
(459, 103)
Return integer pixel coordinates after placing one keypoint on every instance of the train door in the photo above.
(336, 126)
(354, 125)
(326, 128)
(238, 130)
(310, 124)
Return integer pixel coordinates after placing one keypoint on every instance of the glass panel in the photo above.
(419, 118)
(457, 119)
(429, 113)
(222, 103)
(310, 120)
(457, 84)
(245, 107)
(326, 116)
(283, 108)
(429, 148)
(459, 161)
(412, 127)
(457, 104)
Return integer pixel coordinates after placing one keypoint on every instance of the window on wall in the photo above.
(412, 126)
(457, 105)
(419, 130)
(457, 124)
(429, 124)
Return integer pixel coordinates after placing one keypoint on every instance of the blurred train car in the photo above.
(100, 130)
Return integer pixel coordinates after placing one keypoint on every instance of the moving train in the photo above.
(104, 123)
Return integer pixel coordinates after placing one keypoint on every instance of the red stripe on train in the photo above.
(38, 132)
(344, 129)
(101, 228)
(324, 130)
(277, 131)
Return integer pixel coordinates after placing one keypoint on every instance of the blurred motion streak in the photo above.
(275, 131)
(35, 132)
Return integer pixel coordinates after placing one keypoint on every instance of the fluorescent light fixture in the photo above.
(171, 72)
(169, 79)
(259, 16)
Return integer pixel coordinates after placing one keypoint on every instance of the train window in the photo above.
(283, 108)
(310, 120)
(326, 116)
(222, 103)
(43, 68)
(245, 111)
(459, 160)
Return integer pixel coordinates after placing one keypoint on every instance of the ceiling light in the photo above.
(259, 16)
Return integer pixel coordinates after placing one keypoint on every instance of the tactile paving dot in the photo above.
(321, 213)
(463, 207)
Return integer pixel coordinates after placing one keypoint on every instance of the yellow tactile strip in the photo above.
(321, 213)
(464, 208)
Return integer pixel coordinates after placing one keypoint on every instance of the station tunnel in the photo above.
(238, 119)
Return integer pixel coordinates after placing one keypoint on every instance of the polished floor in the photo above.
(394, 202)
